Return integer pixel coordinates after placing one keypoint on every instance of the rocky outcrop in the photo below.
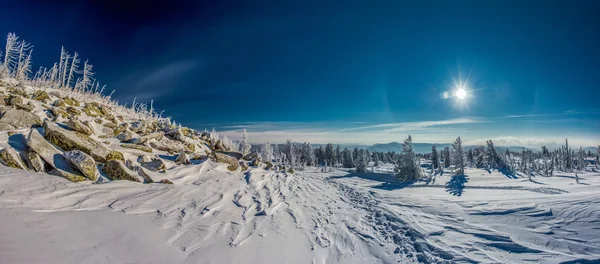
(116, 170)
(75, 124)
(168, 145)
(40, 95)
(4, 127)
(53, 157)
(10, 157)
(140, 171)
(155, 135)
(71, 140)
(83, 162)
(20, 118)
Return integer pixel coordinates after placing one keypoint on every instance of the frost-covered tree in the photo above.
(329, 154)
(245, 143)
(87, 79)
(479, 157)
(337, 156)
(435, 159)
(74, 69)
(267, 152)
(408, 168)
(290, 153)
(446, 154)
(459, 157)
(361, 161)
(581, 159)
(11, 53)
(470, 158)
(348, 160)
(598, 157)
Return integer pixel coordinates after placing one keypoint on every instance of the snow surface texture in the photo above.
(212, 215)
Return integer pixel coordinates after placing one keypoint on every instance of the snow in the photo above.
(212, 215)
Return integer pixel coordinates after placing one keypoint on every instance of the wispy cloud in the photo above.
(413, 126)
(166, 73)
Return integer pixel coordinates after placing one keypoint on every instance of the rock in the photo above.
(120, 128)
(40, 95)
(14, 100)
(53, 157)
(26, 107)
(20, 118)
(73, 111)
(75, 124)
(91, 110)
(34, 161)
(138, 147)
(71, 101)
(219, 146)
(182, 158)
(236, 155)
(138, 126)
(140, 171)
(156, 136)
(176, 134)
(58, 112)
(116, 170)
(224, 157)
(152, 163)
(269, 165)
(84, 162)
(4, 127)
(9, 157)
(242, 163)
(251, 156)
(59, 103)
(165, 181)
(107, 130)
(125, 136)
(168, 145)
(98, 121)
(71, 140)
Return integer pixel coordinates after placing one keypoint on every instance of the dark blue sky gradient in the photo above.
(226, 62)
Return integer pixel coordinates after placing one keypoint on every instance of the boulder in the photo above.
(224, 157)
(84, 162)
(107, 130)
(138, 147)
(25, 107)
(176, 134)
(155, 135)
(165, 181)
(73, 111)
(71, 101)
(91, 110)
(138, 126)
(56, 111)
(152, 163)
(10, 157)
(71, 140)
(40, 95)
(53, 157)
(116, 170)
(20, 118)
(14, 100)
(140, 171)
(125, 136)
(75, 124)
(251, 156)
(4, 127)
(182, 158)
(168, 145)
(34, 161)
(59, 103)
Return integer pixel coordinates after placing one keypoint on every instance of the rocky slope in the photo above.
(83, 138)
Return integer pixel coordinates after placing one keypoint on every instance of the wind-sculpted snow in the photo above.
(213, 215)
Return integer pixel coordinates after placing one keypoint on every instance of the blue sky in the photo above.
(357, 72)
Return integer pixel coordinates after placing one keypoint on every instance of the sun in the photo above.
(460, 93)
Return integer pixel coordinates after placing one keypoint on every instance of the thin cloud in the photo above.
(410, 126)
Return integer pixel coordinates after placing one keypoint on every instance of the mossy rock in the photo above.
(45, 106)
(83, 162)
(110, 125)
(98, 121)
(53, 157)
(71, 101)
(73, 111)
(14, 100)
(11, 158)
(115, 155)
(18, 91)
(116, 170)
(138, 147)
(232, 167)
(59, 103)
(25, 107)
(56, 111)
(71, 140)
(40, 95)
(269, 165)
(91, 110)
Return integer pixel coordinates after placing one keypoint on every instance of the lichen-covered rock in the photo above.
(40, 95)
(168, 145)
(71, 140)
(9, 157)
(58, 112)
(14, 100)
(107, 130)
(182, 158)
(224, 157)
(269, 165)
(155, 135)
(75, 124)
(138, 147)
(4, 127)
(140, 171)
(152, 163)
(125, 136)
(91, 110)
(53, 157)
(73, 111)
(138, 126)
(116, 170)
(25, 107)
(59, 103)
(165, 181)
(34, 161)
(98, 121)
(83, 162)
(71, 101)
(20, 118)
(176, 134)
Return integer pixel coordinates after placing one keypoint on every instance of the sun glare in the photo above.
(460, 93)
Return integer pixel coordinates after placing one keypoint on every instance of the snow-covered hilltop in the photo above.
(86, 180)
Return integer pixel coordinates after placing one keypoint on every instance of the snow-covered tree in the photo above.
(435, 159)
(11, 53)
(459, 158)
(361, 161)
(408, 168)
(470, 158)
(245, 143)
(267, 152)
(87, 79)
(74, 69)
(446, 154)
(289, 151)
